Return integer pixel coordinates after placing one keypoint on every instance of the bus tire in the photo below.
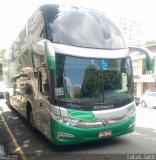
(30, 117)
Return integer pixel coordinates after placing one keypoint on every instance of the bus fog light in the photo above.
(131, 125)
(62, 135)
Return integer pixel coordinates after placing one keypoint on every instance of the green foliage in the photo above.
(2, 52)
(150, 42)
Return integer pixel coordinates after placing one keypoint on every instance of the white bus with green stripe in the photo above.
(69, 74)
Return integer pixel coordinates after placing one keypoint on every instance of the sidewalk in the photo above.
(6, 145)
(2, 152)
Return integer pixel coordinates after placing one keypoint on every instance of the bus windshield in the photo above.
(92, 81)
(81, 27)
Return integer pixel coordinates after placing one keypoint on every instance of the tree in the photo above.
(2, 52)
(150, 42)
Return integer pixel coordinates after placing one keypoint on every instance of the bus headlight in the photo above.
(131, 110)
(66, 120)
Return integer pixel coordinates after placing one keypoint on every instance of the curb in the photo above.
(5, 140)
(2, 152)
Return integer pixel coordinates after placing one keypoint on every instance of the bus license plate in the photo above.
(105, 133)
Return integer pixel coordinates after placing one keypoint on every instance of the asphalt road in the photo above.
(23, 141)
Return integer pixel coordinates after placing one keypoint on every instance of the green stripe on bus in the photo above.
(50, 62)
(81, 115)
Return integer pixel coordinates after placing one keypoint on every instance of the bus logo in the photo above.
(110, 106)
(105, 122)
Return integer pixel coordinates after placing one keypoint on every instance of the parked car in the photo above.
(148, 99)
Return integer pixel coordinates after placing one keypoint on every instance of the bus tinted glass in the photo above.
(81, 27)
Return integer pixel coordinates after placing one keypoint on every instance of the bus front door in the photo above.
(42, 103)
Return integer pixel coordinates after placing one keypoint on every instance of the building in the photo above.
(131, 29)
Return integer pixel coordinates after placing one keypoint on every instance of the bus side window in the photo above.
(43, 84)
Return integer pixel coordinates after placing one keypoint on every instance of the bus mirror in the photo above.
(148, 54)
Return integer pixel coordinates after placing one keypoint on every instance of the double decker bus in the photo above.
(69, 74)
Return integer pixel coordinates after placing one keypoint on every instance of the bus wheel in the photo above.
(30, 118)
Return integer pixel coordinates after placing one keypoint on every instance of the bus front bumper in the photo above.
(63, 134)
